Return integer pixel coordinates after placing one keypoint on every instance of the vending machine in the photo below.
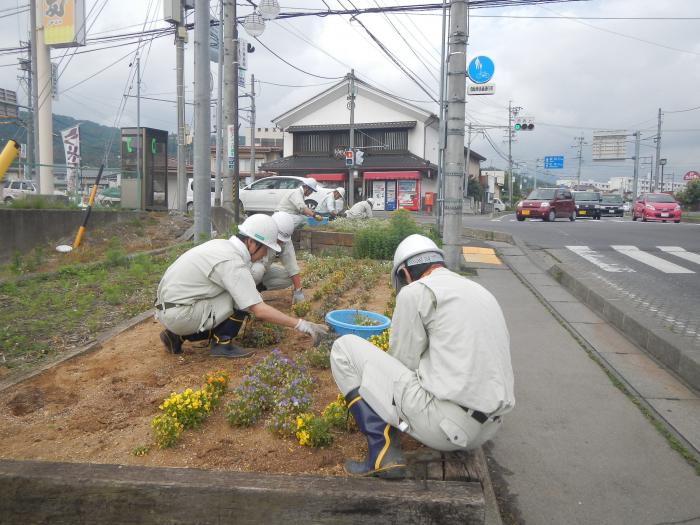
(390, 195)
(378, 194)
(408, 194)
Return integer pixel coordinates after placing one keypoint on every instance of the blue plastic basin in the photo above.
(342, 322)
(313, 222)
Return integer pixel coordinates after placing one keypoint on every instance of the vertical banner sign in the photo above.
(64, 23)
(71, 145)
(231, 146)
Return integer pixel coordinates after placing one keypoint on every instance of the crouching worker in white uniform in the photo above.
(294, 204)
(446, 379)
(209, 290)
(332, 204)
(361, 210)
(277, 271)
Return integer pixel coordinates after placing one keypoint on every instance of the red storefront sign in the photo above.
(328, 177)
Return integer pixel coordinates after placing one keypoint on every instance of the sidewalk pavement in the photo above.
(576, 449)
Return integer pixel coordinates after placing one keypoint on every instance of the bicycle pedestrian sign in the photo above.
(480, 69)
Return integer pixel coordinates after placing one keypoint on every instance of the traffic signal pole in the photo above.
(454, 152)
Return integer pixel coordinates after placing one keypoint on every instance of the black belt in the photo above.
(165, 306)
(479, 416)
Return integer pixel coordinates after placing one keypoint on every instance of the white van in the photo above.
(498, 205)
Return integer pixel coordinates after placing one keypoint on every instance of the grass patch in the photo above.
(42, 314)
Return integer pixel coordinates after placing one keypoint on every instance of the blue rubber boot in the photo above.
(384, 455)
(221, 344)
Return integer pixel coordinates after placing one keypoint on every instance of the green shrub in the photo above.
(381, 242)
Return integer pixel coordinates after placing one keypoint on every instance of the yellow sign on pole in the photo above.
(64, 23)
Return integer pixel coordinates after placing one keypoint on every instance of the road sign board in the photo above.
(691, 175)
(480, 69)
(481, 89)
(554, 162)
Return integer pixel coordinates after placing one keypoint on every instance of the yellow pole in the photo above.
(81, 230)
(8, 156)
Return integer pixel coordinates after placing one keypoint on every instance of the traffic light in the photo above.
(359, 157)
(348, 157)
(524, 124)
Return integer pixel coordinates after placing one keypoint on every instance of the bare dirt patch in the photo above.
(97, 408)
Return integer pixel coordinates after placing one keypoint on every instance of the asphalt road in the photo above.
(654, 266)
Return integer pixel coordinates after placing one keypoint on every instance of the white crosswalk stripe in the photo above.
(681, 252)
(652, 260)
(596, 258)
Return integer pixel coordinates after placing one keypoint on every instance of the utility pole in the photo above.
(219, 110)
(443, 111)
(139, 140)
(351, 169)
(580, 158)
(454, 153)
(180, 36)
(230, 95)
(537, 165)
(44, 109)
(202, 113)
(29, 159)
(34, 93)
(658, 154)
(511, 110)
(252, 128)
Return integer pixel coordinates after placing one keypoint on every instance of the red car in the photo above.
(656, 207)
(547, 204)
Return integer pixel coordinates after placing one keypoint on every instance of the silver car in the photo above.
(265, 194)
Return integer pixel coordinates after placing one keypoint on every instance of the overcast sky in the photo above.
(565, 66)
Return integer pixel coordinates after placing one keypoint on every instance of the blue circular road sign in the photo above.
(480, 69)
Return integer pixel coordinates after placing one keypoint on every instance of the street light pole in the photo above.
(662, 162)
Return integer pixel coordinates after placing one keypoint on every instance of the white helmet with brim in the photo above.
(285, 225)
(263, 229)
(414, 249)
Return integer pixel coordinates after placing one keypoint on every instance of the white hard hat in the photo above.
(407, 253)
(261, 228)
(311, 183)
(341, 191)
(285, 225)
(371, 201)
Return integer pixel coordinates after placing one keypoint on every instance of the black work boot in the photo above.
(384, 456)
(221, 344)
(171, 341)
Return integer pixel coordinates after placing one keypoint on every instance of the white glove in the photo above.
(297, 296)
(316, 331)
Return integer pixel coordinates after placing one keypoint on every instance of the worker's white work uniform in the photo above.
(275, 271)
(329, 205)
(203, 286)
(360, 210)
(293, 203)
(449, 350)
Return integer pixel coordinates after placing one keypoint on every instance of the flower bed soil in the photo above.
(97, 408)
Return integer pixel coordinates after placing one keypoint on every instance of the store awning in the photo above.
(391, 175)
(328, 177)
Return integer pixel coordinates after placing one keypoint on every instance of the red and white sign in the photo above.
(691, 175)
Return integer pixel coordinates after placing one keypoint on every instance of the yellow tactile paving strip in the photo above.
(473, 254)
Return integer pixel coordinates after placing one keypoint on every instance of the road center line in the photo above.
(652, 260)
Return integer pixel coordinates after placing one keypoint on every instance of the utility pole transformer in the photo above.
(658, 155)
(202, 122)
(454, 152)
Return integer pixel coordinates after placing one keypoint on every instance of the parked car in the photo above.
(17, 189)
(627, 206)
(587, 204)
(109, 197)
(612, 204)
(190, 193)
(547, 204)
(498, 205)
(264, 195)
(656, 207)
